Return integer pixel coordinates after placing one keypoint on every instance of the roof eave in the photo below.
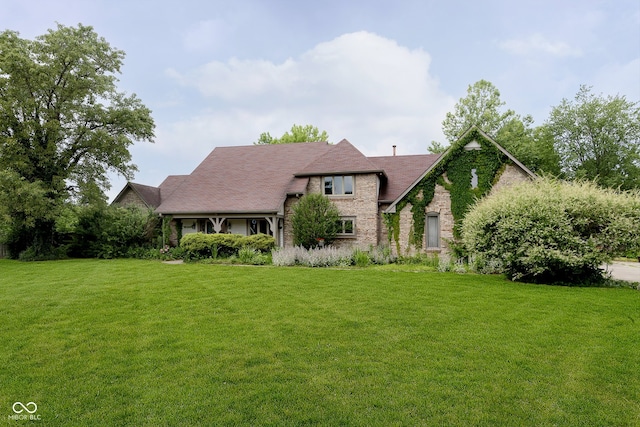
(346, 172)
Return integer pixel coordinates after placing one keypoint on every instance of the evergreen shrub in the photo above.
(314, 219)
(199, 245)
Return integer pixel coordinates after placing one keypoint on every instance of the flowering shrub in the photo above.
(330, 256)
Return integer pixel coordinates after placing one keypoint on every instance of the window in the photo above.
(347, 227)
(474, 179)
(338, 185)
(257, 226)
(433, 230)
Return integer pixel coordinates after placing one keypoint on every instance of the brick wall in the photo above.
(363, 206)
(130, 198)
(511, 175)
(441, 203)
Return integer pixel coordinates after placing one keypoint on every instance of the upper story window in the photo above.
(474, 179)
(338, 185)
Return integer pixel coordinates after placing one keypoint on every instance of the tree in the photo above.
(63, 126)
(314, 218)
(436, 148)
(307, 133)
(532, 146)
(481, 107)
(598, 138)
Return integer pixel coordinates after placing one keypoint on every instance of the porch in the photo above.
(229, 224)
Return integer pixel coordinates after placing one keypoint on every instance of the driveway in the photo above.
(625, 270)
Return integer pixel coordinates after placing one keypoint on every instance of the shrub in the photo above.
(330, 256)
(381, 255)
(261, 242)
(314, 217)
(113, 231)
(361, 258)
(549, 231)
(199, 245)
(315, 257)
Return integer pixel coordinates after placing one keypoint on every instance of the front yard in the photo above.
(128, 342)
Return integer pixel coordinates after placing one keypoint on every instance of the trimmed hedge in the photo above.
(199, 245)
(548, 231)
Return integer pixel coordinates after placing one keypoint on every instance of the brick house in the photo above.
(251, 189)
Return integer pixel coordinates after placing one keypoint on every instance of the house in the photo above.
(411, 202)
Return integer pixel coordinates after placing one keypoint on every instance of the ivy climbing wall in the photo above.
(467, 172)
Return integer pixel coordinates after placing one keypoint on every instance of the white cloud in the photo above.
(537, 43)
(359, 86)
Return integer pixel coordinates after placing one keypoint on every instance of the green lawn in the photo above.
(126, 342)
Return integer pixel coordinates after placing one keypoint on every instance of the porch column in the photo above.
(217, 223)
(273, 225)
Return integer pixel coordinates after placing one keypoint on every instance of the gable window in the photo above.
(347, 227)
(474, 178)
(433, 230)
(338, 185)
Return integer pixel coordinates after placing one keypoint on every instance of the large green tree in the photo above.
(533, 146)
(484, 108)
(63, 127)
(598, 138)
(298, 133)
(481, 107)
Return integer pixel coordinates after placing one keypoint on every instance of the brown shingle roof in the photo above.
(150, 196)
(243, 179)
(170, 184)
(342, 158)
(401, 171)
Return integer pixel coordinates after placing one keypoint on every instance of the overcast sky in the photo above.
(378, 73)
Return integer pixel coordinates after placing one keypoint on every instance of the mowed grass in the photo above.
(128, 342)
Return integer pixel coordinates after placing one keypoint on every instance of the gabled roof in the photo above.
(243, 179)
(149, 195)
(401, 172)
(170, 184)
(342, 158)
(444, 157)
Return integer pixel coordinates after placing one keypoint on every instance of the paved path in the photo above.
(625, 270)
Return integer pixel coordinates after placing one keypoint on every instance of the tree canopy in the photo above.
(298, 133)
(63, 127)
(598, 138)
(483, 107)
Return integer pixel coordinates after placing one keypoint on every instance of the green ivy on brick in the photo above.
(457, 164)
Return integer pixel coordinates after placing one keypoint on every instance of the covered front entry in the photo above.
(270, 225)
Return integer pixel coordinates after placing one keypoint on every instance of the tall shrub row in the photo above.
(548, 231)
(112, 232)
